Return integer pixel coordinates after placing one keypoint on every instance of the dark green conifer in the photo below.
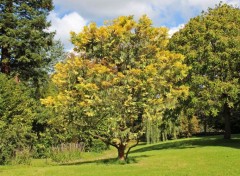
(24, 37)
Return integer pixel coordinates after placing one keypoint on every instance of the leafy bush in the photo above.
(189, 126)
(98, 146)
(16, 116)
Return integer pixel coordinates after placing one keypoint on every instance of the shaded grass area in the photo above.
(194, 156)
(194, 143)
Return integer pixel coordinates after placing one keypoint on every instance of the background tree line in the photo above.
(130, 82)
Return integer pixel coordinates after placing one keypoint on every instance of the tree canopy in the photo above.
(24, 38)
(124, 76)
(211, 44)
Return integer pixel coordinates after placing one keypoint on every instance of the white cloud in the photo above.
(63, 26)
(162, 12)
(169, 13)
(234, 2)
(104, 8)
(175, 29)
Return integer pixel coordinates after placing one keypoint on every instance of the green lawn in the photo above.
(211, 156)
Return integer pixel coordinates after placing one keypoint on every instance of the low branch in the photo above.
(106, 141)
(132, 147)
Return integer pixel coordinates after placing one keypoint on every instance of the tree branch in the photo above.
(106, 141)
(131, 148)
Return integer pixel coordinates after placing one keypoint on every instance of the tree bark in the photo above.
(131, 148)
(121, 152)
(227, 118)
(5, 65)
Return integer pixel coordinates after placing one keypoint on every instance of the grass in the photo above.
(204, 156)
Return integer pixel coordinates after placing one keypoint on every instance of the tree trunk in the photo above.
(17, 79)
(126, 156)
(121, 152)
(227, 118)
(5, 65)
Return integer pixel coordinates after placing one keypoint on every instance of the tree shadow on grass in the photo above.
(131, 159)
(176, 144)
(192, 143)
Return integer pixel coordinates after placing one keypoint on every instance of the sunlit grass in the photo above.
(211, 156)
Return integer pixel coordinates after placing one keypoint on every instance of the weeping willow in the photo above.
(162, 129)
(169, 129)
(152, 131)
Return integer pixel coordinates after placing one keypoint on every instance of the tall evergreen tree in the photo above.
(23, 36)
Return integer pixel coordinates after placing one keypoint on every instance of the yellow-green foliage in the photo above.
(124, 75)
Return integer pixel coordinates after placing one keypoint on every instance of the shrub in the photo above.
(189, 126)
(98, 146)
(17, 112)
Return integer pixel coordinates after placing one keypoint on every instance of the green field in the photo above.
(211, 156)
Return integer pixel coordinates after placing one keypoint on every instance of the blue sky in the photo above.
(72, 15)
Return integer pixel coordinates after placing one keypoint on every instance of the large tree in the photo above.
(211, 44)
(24, 37)
(124, 76)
